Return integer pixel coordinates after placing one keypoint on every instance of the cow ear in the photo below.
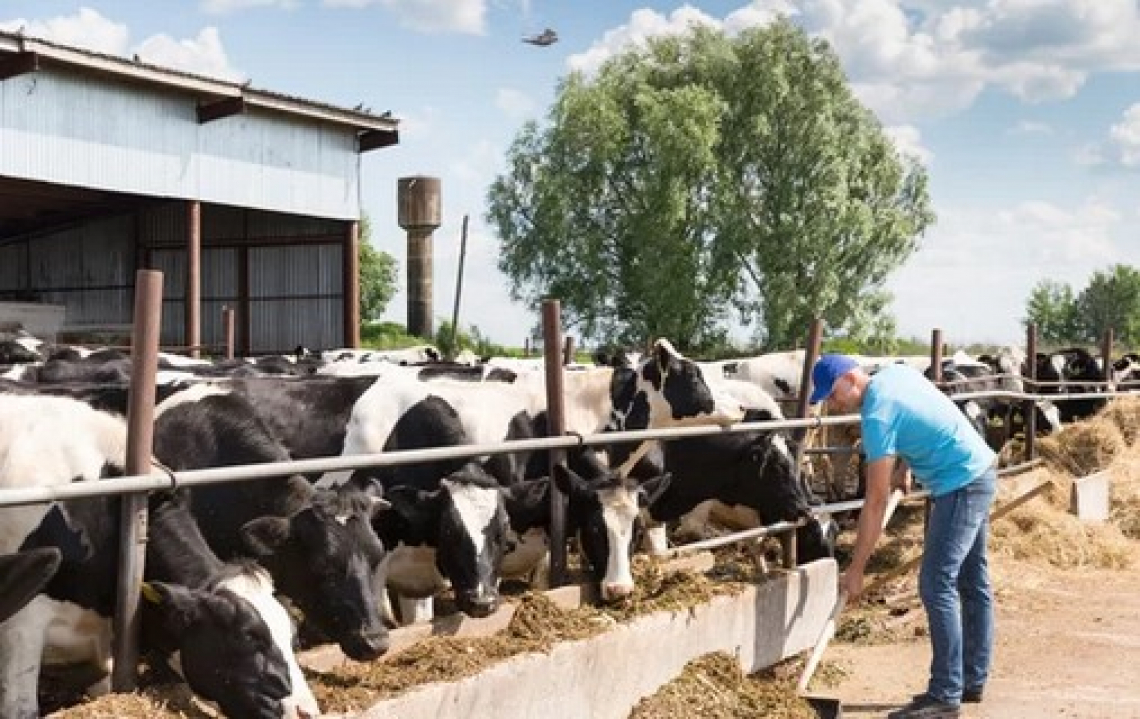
(568, 482)
(411, 503)
(664, 353)
(265, 535)
(173, 603)
(530, 493)
(651, 490)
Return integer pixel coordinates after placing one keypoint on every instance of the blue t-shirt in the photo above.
(905, 415)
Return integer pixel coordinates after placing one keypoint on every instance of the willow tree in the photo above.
(703, 179)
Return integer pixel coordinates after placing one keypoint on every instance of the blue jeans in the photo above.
(954, 584)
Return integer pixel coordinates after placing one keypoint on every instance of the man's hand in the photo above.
(851, 582)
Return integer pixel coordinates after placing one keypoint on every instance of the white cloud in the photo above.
(515, 105)
(201, 55)
(976, 268)
(86, 29)
(1030, 127)
(908, 141)
(911, 59)
(1124, 137)
(431, 16)
(223, 7)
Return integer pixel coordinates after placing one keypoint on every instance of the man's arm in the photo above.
(878, 490)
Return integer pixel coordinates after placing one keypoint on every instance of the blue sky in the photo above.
(1026, 112)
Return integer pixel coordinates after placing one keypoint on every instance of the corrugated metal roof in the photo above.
(211, 88)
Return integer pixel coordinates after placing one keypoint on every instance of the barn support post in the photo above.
(936, 355)
(133, 510)
(193, 295)
(1029, 407)
(228, 330)
(556, 426)
(351, 284)
(803, 406)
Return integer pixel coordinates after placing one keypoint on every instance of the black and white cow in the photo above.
(318, 545)
(1078, 372)
(218, 624)
(23, 575)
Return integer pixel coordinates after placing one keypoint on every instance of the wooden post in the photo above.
(351, 284)
(140, 441)
(936, 357)
(193, 295)
(1029, 407)
(556, 427)
(228, 330)
(568, 351)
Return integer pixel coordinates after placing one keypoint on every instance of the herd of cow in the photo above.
(339, 546)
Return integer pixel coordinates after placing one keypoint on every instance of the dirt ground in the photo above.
(1068, 645)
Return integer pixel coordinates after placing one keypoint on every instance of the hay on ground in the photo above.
(714, 687)
(1124, 412)
(156, 702)
(1083, 448)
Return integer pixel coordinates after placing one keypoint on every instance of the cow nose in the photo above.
(367, 645)
(481, 607)
(612, 591)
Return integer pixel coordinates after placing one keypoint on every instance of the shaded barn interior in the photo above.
(243, 198)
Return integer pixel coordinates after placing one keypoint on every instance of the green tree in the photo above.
(1053, 308)
(703, 179)
(1111, 300)
(377, 275)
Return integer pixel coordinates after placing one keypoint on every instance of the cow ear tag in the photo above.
(150, 593)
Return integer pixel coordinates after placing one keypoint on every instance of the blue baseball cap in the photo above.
(828, 368)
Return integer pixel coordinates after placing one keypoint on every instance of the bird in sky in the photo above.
(545, 38)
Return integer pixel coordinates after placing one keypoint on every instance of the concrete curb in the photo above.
(604, 677)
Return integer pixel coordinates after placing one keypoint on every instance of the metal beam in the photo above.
(209, 111)
(20, 63)
(376, 139)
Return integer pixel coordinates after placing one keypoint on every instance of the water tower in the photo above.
(419, 215)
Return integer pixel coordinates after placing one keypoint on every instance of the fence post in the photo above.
(803, 406)
(568, 350)
(133, 507)
(556, 427)
(1106, 356)
(936, 357)
(1029, 407)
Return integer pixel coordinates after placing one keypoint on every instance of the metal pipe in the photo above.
(1106, 355)
(228, 330)
(350, 283)
(555, 427)
(133, 509)
(803, 406)
(1029, 407)
(755, 533)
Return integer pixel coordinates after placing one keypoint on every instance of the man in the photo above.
(904, 417)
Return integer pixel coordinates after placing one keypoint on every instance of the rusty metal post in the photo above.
(936, 357)
(1029, 407)
(351, 283)
(556, 426)
(568, 351)
(1106, 354)
(419, 212)
(193, 295)
(458, 288)
(133, 510)
(228, 330)
(811, 354)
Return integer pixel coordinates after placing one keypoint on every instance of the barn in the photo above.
(244, 198)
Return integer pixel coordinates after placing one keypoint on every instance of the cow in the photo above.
(218, 625)
(319, 546)
(1077, 372)
(23, 575)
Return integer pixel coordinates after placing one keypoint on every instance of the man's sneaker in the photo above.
(925, 706)
(970, 696)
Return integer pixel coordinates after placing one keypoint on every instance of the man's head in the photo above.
(840, 381)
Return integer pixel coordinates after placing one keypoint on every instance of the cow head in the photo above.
(779, 495)
(603, 512)
(465, 520)
(326, 555)
(665, 389)
(227, 652)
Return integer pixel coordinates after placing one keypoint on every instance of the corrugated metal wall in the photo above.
(89, 131)
(87, 268)
(294, 286)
